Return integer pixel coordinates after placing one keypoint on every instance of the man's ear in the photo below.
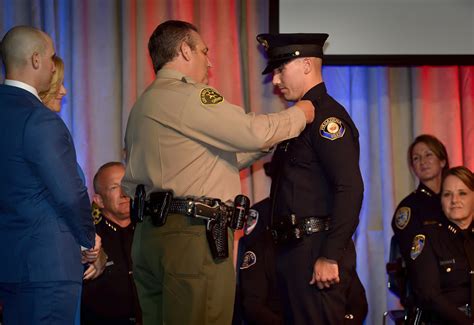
(98, 200)
(307, 65)
(185, 51)
(36, 60)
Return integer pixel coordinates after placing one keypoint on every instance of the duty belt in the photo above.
(216, 214)
(291, 228)
(198, 207)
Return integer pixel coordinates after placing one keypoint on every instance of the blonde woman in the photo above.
(442, 255)
(53, 96)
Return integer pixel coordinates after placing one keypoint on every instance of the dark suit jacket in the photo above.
(44, 206)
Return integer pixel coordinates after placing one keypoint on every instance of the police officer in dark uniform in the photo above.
(428, 159)
(441, 260)
(258, 301)
(111, 298)
(317, 194)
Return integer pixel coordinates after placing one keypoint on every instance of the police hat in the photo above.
(282, 48)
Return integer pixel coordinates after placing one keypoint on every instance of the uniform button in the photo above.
(293, 160)
(448, 269)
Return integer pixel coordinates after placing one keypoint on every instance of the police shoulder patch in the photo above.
(417, 246)
(332, 128)
(96, 215)
(402, 217)
(210, 97)
(249, 259)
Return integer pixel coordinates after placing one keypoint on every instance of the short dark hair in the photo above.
(101, 170)
(164, 42)
(434, 144)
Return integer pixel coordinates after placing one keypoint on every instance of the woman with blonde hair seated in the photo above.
(442, 255)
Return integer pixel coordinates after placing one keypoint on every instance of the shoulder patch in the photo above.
(417, 246)
(249, 259)
(332, 128)
(402, 217)
(96, 216)
(210, 97)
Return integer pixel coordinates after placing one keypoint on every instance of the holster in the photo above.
(216, 233)
(218, 217)
(137, 205)
(158, 207)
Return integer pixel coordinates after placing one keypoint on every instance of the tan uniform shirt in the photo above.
(182, 135)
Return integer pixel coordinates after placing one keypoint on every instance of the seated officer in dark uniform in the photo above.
(428, 159)
(259, 299)
(317, 192)
(441, 261)
(111, 298)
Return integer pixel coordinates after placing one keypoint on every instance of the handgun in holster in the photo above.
(218, 217)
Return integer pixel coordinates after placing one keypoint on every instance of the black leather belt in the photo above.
(189, 206)
(291, 227)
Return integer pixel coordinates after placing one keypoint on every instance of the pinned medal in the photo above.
(402, 217)
(249, 259)
(332, 128)
(210, 97)
(417, 246)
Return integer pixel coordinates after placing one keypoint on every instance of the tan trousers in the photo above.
(177, 280)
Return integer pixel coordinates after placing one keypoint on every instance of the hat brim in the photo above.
(272, 65)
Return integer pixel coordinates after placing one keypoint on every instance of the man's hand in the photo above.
(325, 273)
(308, 109)
(97, 268)
(90, 255)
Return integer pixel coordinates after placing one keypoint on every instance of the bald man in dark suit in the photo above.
(44, 206)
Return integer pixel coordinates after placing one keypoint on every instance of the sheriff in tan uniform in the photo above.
(184, 136)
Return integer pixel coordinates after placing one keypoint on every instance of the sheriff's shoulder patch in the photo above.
(402, 217)
(417, 246)
(332, 128)
(249, 259)
(210, 97)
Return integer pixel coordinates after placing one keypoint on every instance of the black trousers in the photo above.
(304, 303)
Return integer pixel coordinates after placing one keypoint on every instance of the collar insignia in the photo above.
(426, 192)
(249, 259)
(210, 97)
(452, 229)
(110, 225)
(417, 246)
(332, 129)
(402, 217)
